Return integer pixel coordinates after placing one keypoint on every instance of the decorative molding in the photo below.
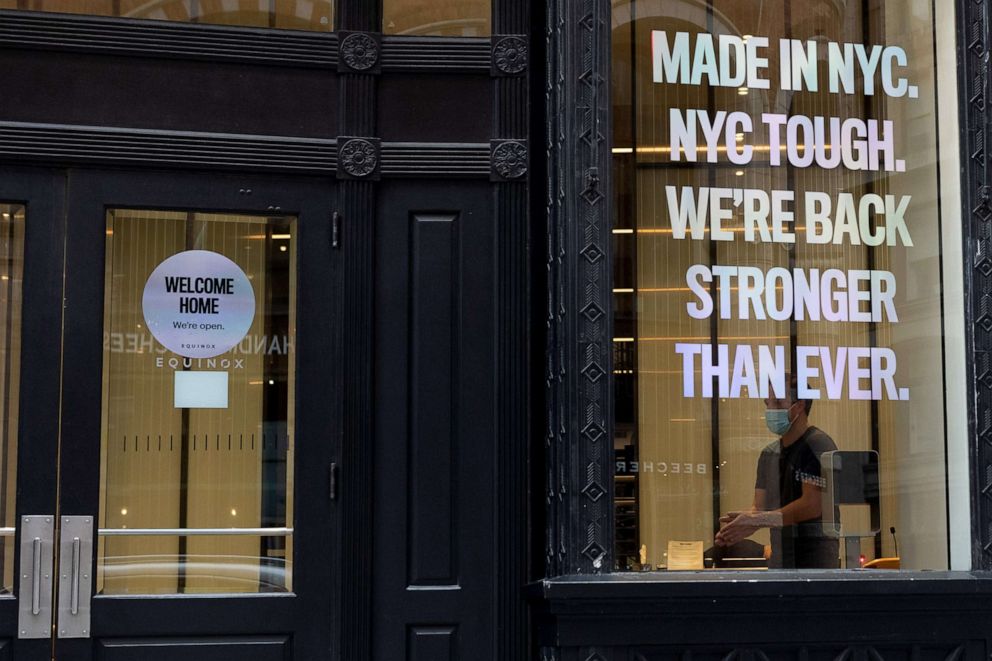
(62, 143)
(974, 41)
(510, 55)
(165, 39)
(358, 158)
(556, 484)
(199, 41)
(412, 159)
(435, 54)
(509, 159)
(358, 52)
(96, 145)
(580, 311)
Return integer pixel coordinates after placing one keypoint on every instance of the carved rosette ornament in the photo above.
(509, 159)
(359, 51)
(358, 157)
(510, 55)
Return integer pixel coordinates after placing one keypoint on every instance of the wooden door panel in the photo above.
(434, 393)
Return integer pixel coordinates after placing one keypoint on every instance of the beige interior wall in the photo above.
(12, 221)
(290, 464)
(139, 480)
(673, 432)
(675, 504)
(225, 484)
(916, 490)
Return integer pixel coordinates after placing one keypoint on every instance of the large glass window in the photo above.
(315, 15)
(196, 475)
(782, 258)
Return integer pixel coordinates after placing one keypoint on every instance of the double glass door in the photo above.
(168, 422)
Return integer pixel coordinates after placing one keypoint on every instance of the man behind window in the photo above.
(788, 491)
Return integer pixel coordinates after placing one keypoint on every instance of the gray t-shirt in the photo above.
(782, 471)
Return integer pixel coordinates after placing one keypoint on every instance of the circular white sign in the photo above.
(198, 304)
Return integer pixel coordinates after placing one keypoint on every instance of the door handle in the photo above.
(36, 576)
(75, 580)
(34, 611)
(74, 598)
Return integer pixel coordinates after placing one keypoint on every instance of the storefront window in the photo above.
(196, 480)
(781, 267)
(437, 18)
(315, 15)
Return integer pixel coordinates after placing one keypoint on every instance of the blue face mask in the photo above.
(778, 421)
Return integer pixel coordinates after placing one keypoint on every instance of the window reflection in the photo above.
(684, 462)
(437, 18)
(316, 15)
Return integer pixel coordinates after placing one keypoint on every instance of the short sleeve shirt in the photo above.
(782, 472)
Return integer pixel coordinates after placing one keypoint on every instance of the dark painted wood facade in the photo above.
(407, 161)
(457, 220)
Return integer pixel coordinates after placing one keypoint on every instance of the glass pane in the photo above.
(11, 274)
(438, 18)
(196, 483)
(317, 15)
(779, 391)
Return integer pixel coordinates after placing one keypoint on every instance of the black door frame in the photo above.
(42, 192)
(285, 620)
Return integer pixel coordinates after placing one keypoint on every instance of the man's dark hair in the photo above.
(794, 393)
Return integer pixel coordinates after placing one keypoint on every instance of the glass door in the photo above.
(197, 430)
(31, 233)
(199, 423)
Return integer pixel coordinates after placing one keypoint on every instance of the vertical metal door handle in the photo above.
(34, 582)
(75, 580)
(36, 576)
(74, 601)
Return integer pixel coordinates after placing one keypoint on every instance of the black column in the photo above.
(974, 40)
(358, 164)
(510, 166)
(579, 369)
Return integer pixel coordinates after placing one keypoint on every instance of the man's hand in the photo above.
(735, 526)
(728, 517)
